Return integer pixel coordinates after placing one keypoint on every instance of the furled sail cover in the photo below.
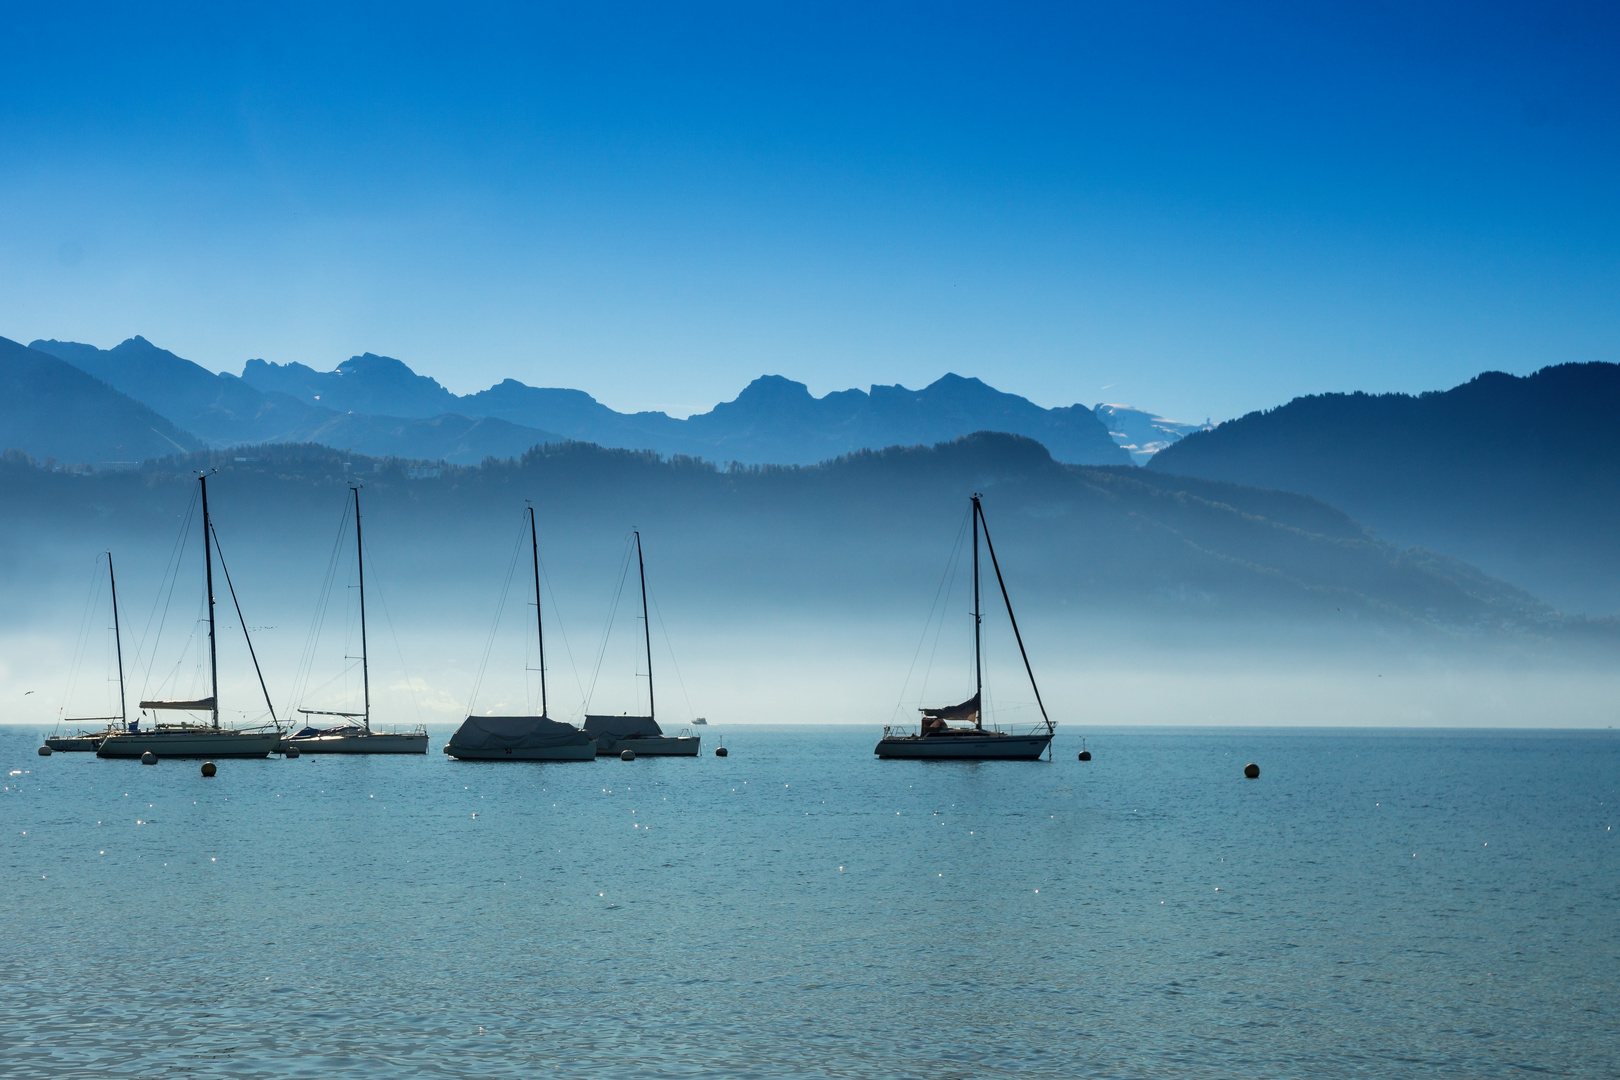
(968, 710)
(198, 705)
(513, 733)
(621, 727)
(315, 732)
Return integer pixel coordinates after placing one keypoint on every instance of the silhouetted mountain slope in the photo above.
(1520, 476)
(777, 420)
(773, 420)
(226, 411)
(52, 409)
(577, 415)
(221, 409)
(372, 384)
(448, 437)
(857, 535)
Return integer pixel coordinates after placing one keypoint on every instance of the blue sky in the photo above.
(1200, 209)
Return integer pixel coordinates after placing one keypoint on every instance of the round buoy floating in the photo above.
(1085, 755)
(149, 758)
(209, 768)
(628, 755)
(1252, 771)
(720, 751)
(291, 751)
(44, 751)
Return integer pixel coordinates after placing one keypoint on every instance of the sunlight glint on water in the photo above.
(1374, 904)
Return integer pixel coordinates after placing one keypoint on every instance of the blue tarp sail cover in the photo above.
(621, 727)
(968, 710)
(514, 733)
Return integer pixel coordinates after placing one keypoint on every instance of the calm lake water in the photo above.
(1376, 904)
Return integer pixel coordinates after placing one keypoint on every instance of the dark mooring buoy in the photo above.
(1252, 771)
(1085, 755)
(149, 758)
(628, 755)
(720, 751)
(44, 751)
(209, 768)
(290, 752)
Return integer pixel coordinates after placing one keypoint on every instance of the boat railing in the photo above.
(913, 731)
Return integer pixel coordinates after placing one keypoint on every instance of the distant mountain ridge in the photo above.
(1519, 476)
(773, 421)
(224, 411)
(377, 405)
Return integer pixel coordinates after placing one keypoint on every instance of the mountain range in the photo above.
(1517, 475)
(377, 405)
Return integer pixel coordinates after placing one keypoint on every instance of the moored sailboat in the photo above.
(937, 737)
(349, 737)
(640, 734)
(523, 738)
(184, 740)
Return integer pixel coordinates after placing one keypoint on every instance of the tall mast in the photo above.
(360, 561)
(646, 627)
(978, 621)
(539, 623)
(1013, 619)
(208, 561)
(123, 709)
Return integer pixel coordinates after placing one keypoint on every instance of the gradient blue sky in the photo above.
(1200, 209)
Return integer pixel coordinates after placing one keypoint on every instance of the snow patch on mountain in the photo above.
(1143, 434)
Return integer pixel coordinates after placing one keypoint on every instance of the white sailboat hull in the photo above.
(189, 742)
(652, 746)
(360, 742)
(989, 746)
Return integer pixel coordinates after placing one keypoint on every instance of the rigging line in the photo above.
(341, 674)
(388, 620)
(607, 631)
(306, 656)
(245, 635)
(172, 575)
(500, 606)
(944, 614)
(192, 651)
(306, 659)
(90, 596)
(1012, 618)
(670, 645)
(922, 638)
(557, 618)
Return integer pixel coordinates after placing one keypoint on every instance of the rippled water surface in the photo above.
(1374, 905)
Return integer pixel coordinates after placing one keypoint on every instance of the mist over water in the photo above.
(830, 595)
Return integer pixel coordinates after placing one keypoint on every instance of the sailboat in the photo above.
(641, 734)
(938, 737)
(184, 740)
(348, 737)
(86, 741)
(523, 738)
